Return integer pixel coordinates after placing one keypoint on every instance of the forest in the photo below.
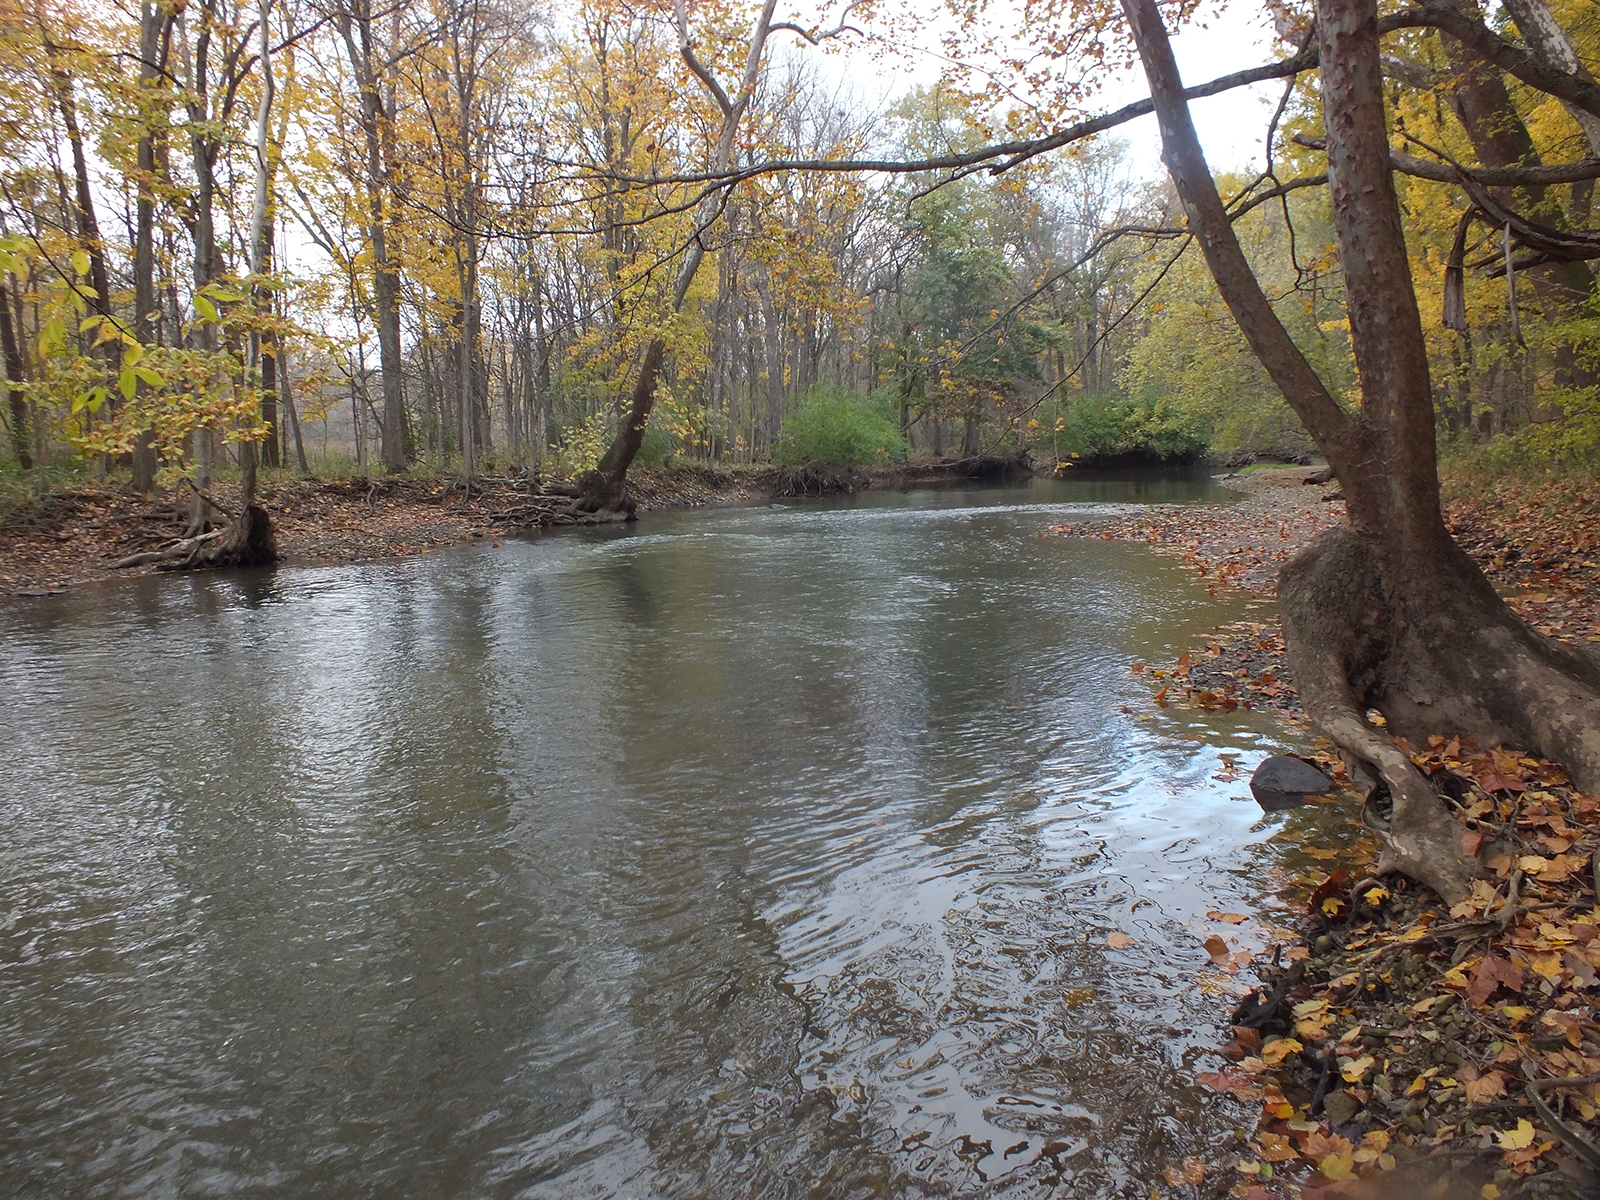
(367, 280)
(450, 232)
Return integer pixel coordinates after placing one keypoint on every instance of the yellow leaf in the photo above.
(1275, 1051)
(1420, 1083)
(1353, 1072)
(1375, 895)
(1547, 965)
(1519, 1138)
(80, 261)
(1489, 1192)
(1515, 1012)
(1338, 1166)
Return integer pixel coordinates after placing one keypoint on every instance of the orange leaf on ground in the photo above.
(1275, 1147)
(1491, 1085)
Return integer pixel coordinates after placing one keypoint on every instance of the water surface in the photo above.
(760, 852)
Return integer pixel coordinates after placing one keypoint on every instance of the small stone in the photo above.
(1341, 1107)
(1282, 781)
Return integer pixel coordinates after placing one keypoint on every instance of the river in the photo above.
(760, 852)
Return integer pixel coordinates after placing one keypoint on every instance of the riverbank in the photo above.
(1538, 541)
(1395, 1043)
(74, 535)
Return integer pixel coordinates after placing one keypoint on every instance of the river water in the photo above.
(765, 852)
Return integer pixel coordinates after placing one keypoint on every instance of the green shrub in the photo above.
(835, 428)
(1108, 427)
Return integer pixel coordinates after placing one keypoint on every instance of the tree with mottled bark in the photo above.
(1387, 613)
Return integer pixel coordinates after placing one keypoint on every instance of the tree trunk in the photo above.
(355, 28)
(1387, 613)
(16, 376)
(604, 489)
(154, 24)
(1500, 139)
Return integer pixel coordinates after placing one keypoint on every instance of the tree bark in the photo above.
(355, 28)
(604, 489)
(16, 376)
(154, 32)
(1388, 613)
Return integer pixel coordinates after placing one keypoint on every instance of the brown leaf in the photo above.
(1471, 841)
(1228, 918)
(1491, 1085)
(1494, 781)
(1489, 975)
(1217, 949)
(1193, 1171)
(1120, 941)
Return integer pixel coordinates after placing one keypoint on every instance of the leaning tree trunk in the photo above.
(1387, 613)
(602, 492)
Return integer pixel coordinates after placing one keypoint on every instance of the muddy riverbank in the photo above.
(75, 535)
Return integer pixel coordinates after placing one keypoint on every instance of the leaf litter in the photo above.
(1391, 1042)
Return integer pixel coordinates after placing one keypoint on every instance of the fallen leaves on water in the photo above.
(1217, 948)
(1120, 941)
(1227, 918)
(1193, 1171)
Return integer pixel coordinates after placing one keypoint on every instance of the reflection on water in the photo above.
(740, 853)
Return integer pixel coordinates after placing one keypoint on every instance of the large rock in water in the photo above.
(1281, 782)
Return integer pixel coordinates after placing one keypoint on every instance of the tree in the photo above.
(1387, 613)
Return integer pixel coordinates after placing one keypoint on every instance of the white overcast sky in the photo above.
(1232, 126)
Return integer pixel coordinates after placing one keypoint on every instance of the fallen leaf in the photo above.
(1274, 1052)
(1489, 975)
(1228, 918)
(1548, 966)
(1491, 1085)
(1332, 894)
(1354, 1071)
(1193, 1171)
(1217, 949)
(1338, 1167)
(1519, 1138)
(1275, 1147)
(1120, 941)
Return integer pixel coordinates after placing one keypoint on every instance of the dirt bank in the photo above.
(1538, 541)
(1393, 1046)
(74, 535)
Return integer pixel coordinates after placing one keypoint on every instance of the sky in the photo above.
(1232, 126)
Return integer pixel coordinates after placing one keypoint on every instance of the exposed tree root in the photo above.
(246, 541)
(590, 499)
(1458, 663)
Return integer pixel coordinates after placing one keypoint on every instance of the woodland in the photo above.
(561, 242)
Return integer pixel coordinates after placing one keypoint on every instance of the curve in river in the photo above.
(756, 852)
